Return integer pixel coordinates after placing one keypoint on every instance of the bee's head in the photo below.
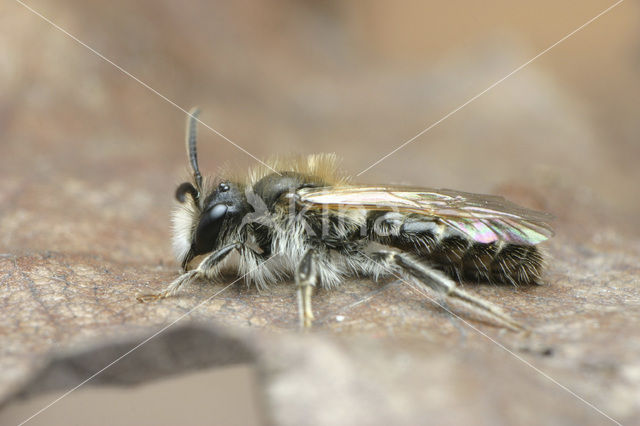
(206, 214)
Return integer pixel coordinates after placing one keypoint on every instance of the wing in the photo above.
(484, 218)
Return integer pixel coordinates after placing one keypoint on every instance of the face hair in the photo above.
(322, 229)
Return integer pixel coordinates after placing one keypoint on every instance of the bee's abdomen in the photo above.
(496, 262)
(460, 256)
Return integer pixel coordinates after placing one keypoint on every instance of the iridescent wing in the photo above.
(484, 218)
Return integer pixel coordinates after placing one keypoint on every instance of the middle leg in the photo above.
(306, 280)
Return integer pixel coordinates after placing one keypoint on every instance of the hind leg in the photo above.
(432, 279)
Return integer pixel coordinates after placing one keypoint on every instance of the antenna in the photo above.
(192, 124)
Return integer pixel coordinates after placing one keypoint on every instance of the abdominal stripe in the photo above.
(460, 256)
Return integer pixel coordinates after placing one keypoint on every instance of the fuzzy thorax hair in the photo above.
(323, 167)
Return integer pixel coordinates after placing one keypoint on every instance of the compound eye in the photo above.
(208, 229)
(186, 188)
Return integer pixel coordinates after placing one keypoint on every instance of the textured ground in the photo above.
(89, 160)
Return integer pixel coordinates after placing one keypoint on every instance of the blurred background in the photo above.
(90, 158)
(355, 78)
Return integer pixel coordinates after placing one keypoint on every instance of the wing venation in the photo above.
(484, 218)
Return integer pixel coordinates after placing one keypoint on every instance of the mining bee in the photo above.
(303, 218)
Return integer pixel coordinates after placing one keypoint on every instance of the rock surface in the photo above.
(86, 177)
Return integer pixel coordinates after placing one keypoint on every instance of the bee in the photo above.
(304, 219)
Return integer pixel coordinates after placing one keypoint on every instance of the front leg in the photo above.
(204, 269)
(306, 280)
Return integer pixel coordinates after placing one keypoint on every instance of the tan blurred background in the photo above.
(356, 78)
(81, 140)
